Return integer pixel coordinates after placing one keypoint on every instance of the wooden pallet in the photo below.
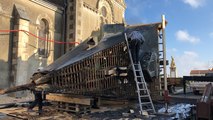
(70, 104)
(72, 108)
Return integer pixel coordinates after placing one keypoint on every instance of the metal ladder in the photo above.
(160, 61)
(142, 90)
(162, 65)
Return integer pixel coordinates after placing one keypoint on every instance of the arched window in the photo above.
(43, 33)
(104, 11)
(104, 15)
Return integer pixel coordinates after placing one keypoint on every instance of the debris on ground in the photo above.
(182, 111)
(6, 99)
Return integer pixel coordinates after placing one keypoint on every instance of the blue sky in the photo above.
(189, 33)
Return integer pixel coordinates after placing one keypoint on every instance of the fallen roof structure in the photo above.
(101, 70)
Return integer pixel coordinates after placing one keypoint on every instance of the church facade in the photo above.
(22, 53)
(86, 17)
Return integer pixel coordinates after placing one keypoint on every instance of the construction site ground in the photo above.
(14, 108)
(49, 113)
(10, 110)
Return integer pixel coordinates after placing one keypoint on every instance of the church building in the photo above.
(25, 24)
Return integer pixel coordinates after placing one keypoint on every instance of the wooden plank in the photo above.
(14, 112)
(71, 79)
(69, 99)
(66, 78)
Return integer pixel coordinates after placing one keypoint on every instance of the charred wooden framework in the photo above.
(89, 76)
(99, 73)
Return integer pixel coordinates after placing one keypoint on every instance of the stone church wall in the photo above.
(19, 57)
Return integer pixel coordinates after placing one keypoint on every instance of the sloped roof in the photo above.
(200, 71)
(81, 52)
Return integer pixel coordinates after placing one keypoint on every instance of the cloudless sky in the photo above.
(189, 32)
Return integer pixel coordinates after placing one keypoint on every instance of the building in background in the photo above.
(173, 71)
(201, 80)
(200, 72)
(21, 54)
(173, 80)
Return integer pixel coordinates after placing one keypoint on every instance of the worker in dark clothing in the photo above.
(37, 91)
(135, 39)
(38, 100)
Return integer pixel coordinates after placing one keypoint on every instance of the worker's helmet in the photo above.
(40, 68)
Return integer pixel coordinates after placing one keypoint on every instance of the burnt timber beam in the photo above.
(69, 99)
